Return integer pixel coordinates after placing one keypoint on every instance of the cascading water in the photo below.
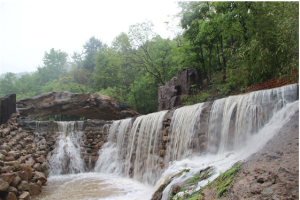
(242, 124)
(145, 137)
(184, 129)
(221, 163)
(234, 119)
(67, 158)
(133, 152)
(80, 125)
(112, 153)
(199, 136)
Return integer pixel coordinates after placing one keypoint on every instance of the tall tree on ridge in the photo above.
(55, 63)
(91, 47)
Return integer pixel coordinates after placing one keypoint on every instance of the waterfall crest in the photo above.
(66, 158)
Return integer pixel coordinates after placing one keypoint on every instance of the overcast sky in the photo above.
(29, 28)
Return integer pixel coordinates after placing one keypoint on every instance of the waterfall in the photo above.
(66, 158)
(145, 136)
(183, 135)
(221, 163)
(140, 150)
(112, 153)
(154, 147)
(133, 151)
(235, 119)
(80, 125)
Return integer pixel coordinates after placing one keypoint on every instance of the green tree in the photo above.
(8, 84)
(91, 47)
(55, 64)
(77, 60)
(147, 51)
(67, 83)
(82, 77)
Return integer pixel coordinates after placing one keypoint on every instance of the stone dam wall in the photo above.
(95, 135)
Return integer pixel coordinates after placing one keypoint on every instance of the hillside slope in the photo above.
(272, 172)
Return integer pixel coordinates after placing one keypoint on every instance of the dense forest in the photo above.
(243, 42)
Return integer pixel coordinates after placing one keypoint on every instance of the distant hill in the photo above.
(18, 74)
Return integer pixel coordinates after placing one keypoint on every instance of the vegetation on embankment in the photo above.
(237, 43)
(187, 189)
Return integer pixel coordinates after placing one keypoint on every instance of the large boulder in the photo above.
(186, 82)
(94, 106)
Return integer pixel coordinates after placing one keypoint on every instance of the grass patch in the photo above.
(225, 180)
(203, 174)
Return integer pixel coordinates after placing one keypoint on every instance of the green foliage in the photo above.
(234, 44)
(197, 97)
(260, 38)
(67, 83)
(224, 181)
(143, 95)
(91, 47)
(81, 118)
(205, 174)
(55, 64)
(8, 85)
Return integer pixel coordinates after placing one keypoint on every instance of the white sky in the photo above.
(29, 28)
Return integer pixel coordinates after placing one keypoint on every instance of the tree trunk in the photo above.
(218, 53)
(231, 44)
(224, 60)
(203, 64)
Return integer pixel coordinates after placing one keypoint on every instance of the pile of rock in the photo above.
(95, 135)
(23, 166)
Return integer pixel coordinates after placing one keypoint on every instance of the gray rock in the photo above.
(3, 185)
(24, 185)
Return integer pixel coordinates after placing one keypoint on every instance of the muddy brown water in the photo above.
(93, 186)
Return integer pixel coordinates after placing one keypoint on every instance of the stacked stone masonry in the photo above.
(23, 163)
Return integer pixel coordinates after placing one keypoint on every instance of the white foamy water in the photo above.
(240, 124)
(219, 161)
(138, 153)
(93, 186)
(66, 159)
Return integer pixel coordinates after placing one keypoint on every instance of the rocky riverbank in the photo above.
(23, 165)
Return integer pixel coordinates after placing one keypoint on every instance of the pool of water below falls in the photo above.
(93, 186)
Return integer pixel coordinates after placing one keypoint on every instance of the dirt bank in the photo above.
(273, 172)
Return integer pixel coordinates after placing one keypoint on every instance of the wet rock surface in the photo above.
(94, 106)
(273, 172)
